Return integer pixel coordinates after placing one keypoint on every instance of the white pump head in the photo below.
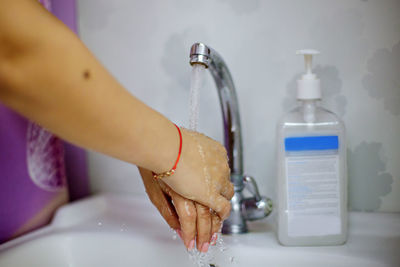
(308, 87)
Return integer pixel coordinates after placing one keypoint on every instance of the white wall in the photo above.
(145, 44)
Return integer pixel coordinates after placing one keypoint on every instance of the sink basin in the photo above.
(115, 230)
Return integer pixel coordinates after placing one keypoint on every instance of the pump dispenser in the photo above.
(311, 169)
(309, 86)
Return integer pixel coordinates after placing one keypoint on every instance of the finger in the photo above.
(228, 190)
(168, 212)
(187, 215)
(160, 200)
(215, 228)
(203, 227)
(221, 206)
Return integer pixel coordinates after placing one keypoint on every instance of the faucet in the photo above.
(242, 208)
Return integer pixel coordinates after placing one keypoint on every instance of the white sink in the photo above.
(111, 230)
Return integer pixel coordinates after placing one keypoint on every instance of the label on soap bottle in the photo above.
(313, 186)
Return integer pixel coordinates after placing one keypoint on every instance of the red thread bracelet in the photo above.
(172, 171)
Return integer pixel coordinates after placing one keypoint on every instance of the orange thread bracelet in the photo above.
(172, 171)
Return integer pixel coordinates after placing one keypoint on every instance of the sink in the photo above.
(122, 230)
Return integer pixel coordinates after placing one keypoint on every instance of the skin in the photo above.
(50, 77)
(191, 220)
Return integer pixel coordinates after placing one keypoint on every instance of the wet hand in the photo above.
(194, 222)
(203, 173)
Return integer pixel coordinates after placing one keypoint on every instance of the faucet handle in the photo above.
(254, 210)
(255, 207)
(251, 186)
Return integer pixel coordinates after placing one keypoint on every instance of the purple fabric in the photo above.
(34, 163)
(20, 197)
(77, 173)
(65, 10)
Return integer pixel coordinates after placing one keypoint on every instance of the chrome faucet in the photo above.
(243, 209)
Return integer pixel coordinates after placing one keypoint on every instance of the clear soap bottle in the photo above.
(311, 171)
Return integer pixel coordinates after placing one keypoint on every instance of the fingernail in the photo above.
(214, 239)
(179, 233)
(191, 245)
(204, 247)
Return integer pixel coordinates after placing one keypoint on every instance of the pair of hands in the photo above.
(195, 199)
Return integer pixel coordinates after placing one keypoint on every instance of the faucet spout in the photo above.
(242, 209)
(202, 54)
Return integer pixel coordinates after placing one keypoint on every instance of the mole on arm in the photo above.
(86, 74)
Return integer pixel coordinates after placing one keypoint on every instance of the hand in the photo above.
(203, 173)
(192, 221)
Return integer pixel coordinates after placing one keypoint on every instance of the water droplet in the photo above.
(221, 244)
(174, 234)
(123, 228)
(99, 223)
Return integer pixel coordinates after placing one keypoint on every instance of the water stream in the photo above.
(196, 83)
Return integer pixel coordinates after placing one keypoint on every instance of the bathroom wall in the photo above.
(145, 44)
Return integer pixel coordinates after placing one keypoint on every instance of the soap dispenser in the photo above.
(311, 169)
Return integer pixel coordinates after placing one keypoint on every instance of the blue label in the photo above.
(312, 143)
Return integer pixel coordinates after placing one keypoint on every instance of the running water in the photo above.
(197, 80)
(211, 258)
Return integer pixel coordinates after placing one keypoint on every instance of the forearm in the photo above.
(51, 78)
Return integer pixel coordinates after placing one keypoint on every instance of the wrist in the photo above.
(167, 151)
(173, 169)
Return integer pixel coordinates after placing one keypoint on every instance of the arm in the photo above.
(49, 76)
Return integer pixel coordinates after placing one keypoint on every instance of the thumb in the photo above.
(160, 199)
(168, 212)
